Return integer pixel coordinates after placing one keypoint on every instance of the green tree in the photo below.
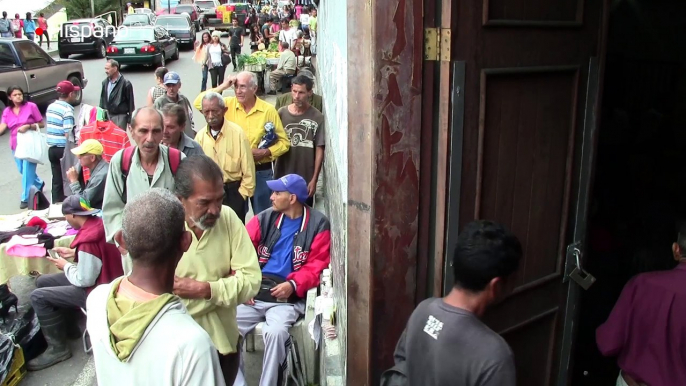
(77, 9)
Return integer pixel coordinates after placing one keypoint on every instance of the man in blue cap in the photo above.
(172, 82)
(292, 241)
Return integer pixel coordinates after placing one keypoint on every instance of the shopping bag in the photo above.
(68, 160)
(32, 146)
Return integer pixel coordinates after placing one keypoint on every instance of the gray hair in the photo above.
(172, 109)
(285, 45)
(211, 95)
(199, 167)
(152, 226)
(253, 78)
(113, 63)
(135, 114)
(299, 34)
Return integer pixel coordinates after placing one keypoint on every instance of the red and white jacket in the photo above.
(311, 245)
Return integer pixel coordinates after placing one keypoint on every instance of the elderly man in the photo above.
(141, 333)
(95, 262)
(117, 96)
(286, 66)
(220, 268)
(292, 242)
(174, 118)
(305, 127)
(90, 157)
(256, 117)
(172, 82)
(136, 169)
(226, 143)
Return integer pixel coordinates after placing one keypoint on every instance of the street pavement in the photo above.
(79, 370)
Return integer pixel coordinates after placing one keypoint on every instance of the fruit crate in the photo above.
(17, 370)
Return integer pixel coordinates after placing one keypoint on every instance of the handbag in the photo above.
(226, 57)
(32, 146)
(265, 293)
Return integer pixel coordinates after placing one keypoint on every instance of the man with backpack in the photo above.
(137, 169)
(6, 30)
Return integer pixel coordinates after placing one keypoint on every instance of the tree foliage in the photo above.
(77, 9)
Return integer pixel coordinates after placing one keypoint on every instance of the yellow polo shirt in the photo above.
(231, 151)
(221, 250)
(253, 123)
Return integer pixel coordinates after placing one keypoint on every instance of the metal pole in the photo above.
(92, 8)
(169, 7)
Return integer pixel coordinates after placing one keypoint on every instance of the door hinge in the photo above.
(437, 44)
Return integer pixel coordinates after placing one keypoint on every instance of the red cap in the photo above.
(66, 87)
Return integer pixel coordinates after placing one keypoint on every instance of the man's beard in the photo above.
(200, 223)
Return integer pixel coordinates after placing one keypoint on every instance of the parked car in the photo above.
(180, 27)
(85, 36)
(149, 45)
(139, 19)
(24, 63)
(208, 10)
(143, 10)
(194, 12)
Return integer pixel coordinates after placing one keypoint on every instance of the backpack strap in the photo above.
(174, 159)
(125, 165)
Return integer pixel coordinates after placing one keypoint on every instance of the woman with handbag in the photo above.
(218, 57)
(21, 116)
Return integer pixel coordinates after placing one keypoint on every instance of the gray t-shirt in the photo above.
(305, 132)
(443, 345)
(235, 34)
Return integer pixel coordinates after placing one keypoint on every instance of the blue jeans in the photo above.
(30, 35)
(260, 200)
(28, 177)
(203, 85)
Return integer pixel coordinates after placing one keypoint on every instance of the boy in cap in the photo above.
(172, 82)
(95, 262)
(90, 157)
(292, 241)
(59, 118)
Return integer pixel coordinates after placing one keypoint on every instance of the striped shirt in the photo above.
(110, 136)
(59, 118)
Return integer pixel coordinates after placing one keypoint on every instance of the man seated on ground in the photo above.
(95, 262)
(444, 342)
(292, 242)
(141, 333)
(220, 268)
(286, 66)
(314, 100)
(174, 118)
(646, 330)
(90, 157)
(172, 82)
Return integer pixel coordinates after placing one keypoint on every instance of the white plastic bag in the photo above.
(32, 146)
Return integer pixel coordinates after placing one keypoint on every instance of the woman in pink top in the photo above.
(19, 117)
(18, 25)
(43, 24)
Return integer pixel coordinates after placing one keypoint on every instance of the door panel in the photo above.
(526, 72)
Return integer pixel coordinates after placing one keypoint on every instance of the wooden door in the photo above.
(522, 68)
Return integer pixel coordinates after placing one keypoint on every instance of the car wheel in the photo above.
(102, 51)
(64, 56)
(176, 53)
(79, 94)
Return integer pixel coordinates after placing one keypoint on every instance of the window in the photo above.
(31, 55)
(6, 56)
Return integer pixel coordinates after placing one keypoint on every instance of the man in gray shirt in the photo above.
(172, 82)
(174, 118)
(90, 156)
(444, 342)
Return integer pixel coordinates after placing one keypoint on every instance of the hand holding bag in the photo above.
(32, 146)
(226, 56)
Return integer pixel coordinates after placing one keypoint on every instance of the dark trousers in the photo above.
(217, 75)
(47, 38)
(203, 86)
(235, 51)
(54, 292)
(55, 156)
(229, 364)
(234, 200)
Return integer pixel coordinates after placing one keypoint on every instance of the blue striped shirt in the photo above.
(59, 118)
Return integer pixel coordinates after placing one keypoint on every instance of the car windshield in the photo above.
(205, 4)
(172, 22)
(181, 9)
(137, 18)
(135, 34)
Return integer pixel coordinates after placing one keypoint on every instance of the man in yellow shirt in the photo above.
(226, 143)
(258, 119)
(220, 269)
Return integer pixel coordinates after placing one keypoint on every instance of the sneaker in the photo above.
(23, 205)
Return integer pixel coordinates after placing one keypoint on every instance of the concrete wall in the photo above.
(332, 53)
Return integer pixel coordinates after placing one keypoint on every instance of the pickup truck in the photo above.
(240, 12)
(23, 63)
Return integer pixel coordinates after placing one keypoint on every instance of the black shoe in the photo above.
(23, 205)
(6, 304)
(52, 326)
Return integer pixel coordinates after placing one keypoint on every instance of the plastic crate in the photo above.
(17, 370)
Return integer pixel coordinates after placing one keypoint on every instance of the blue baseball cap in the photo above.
(291, 183)
(171, 78)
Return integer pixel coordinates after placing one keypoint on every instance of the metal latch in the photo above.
(437, 44)
(574, 270)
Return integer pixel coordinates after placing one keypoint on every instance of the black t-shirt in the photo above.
(235, 34)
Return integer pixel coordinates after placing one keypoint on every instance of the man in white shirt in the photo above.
(286, 66)
(141, 333)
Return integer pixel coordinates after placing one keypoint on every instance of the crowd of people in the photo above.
(14, 27)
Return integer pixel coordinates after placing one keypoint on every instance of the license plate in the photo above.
(129, 50)
(76, 40)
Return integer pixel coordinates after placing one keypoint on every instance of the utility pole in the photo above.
(92, 8)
